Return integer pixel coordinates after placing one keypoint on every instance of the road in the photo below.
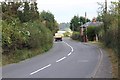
(67, 59)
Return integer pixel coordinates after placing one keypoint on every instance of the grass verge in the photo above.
(21, 55)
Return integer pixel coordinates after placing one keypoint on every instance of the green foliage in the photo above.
(67, 34)
(29, 13)
(91, 32)
(23, 32)
(11, 10)
(76, 36)
(26, 41)
(76, 22)
(118, 28)
(109, 32)
(30, 35)
(99, 18)
(49, 21)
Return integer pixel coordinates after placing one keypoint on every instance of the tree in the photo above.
(83, 20)
(110, 29)
(49, 20)
(119, 29)
(9, 10)
(76, 22)
(34, 11)
(99, 18)
(12, 10)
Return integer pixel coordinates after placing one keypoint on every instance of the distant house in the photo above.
(92, 24)
(84, 27)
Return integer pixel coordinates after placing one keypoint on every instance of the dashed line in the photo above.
(56, 61)
(69, 53)
(40, 69)
(60, 59)
(70, 47)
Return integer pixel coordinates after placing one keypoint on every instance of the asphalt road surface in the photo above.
(67, 59)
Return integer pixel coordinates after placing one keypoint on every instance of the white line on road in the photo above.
(60, 59)
(70, 47)
(69, 53)
(56, 61)
(40, 69)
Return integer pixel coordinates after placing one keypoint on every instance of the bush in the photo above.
(76, 36)
(12, 36)
(67, 34)
(25, 36)
(110, 39)
(22, 41)
(91, 32)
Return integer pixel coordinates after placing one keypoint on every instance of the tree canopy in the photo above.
(76, 22)
(25, 11)
(49, 20)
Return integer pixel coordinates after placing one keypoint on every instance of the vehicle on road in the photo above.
(58, 36)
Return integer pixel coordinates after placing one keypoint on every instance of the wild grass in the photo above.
(23, 54)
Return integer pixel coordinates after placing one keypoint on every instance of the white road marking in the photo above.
(40, 69)
(70, 47)
(56, 61)
(69, 53)
(60, 59)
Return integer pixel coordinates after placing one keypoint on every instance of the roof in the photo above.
(96, 24)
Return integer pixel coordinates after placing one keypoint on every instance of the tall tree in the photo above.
(49, 20)
(76, 22)
(9, 10)
(29, 12)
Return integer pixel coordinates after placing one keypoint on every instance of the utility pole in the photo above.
(105, 6)
(105, 14)
(85, 15)
(86, 28)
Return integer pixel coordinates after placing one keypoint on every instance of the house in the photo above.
(83, 29)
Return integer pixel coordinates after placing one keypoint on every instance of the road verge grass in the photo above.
(21, 55)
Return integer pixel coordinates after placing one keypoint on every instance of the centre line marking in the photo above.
(60, 59)
(69, 53)
(70, 47)
(40, 69)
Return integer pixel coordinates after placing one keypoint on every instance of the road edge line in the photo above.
(98, 65)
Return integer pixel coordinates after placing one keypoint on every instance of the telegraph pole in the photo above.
(86, 28)
(105, 13)
(105, 6)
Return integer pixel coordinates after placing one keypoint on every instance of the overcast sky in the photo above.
(64, 10)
